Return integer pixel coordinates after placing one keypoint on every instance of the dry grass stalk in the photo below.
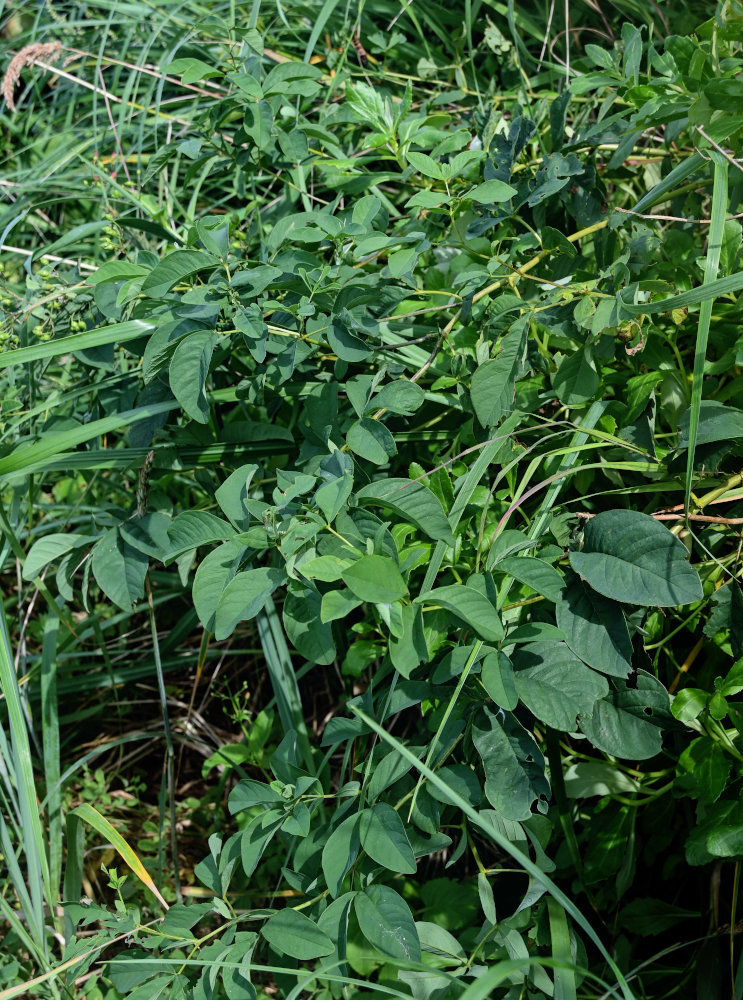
(27, 56)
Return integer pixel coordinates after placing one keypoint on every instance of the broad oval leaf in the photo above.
(375, 579)
(490, 192)
(631, 557)
(339, 853)
(188, 371)
(627, 723)
(412, 501)
(386, 922)
(514, 767)
(212, 576)
(371, 440)
(310, 635)
(401, 396)
(176, 266)
(384, 839)
(717, 422)
(295, 934)
(535, 573)
(555, 685)
(50, 547)
(595, 629)
(193, 528)
(470, 605)
(244, 596)
(119, 569)
(493, 384)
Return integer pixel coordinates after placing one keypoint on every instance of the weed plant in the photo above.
(370, 459)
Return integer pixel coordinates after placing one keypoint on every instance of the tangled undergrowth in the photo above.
(371, 474)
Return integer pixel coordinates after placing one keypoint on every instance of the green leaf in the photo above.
(425, 165)
(192, 70)
(647, 917)
(461, 777)
(310, 635)
(409, 649)
(533, 632)
(535, 573)
(176, 266)
(233, 493)
(193, 528)
(496, 675)
(703, 770)
(292, 79)
(188, 371)
(119, 569)
(337, 604)
(384, 839)
(490, 192)
(386, 922)
(400, 396)
(514, 767)
(412, 501)
(244, 596)
(719, 835)
(593, 778)
(493, 384)
(469, 605)
(325, 568)
(627, 722)
(595, 629)
(212, 576)
(295, 934)
(50, 547)
(339, 853)
(630, 557)
(375, 579)
(717, 422)
(331, 497)
(555, 685)
(345, 344)
(576, 380)
(371, 440)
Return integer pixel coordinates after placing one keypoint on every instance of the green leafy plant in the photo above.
(396, 378)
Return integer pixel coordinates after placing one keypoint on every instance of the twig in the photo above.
(706, 518)
(49, 256)
(674, 218)
(720, 150)
(113, 124)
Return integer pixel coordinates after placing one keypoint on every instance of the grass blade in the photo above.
(711, 267)
(102, 826)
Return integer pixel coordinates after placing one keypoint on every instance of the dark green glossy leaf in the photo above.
(295, 934)
(514, 767)
(595, 629)
(628, 723)
(630, 557)
(555, 685)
